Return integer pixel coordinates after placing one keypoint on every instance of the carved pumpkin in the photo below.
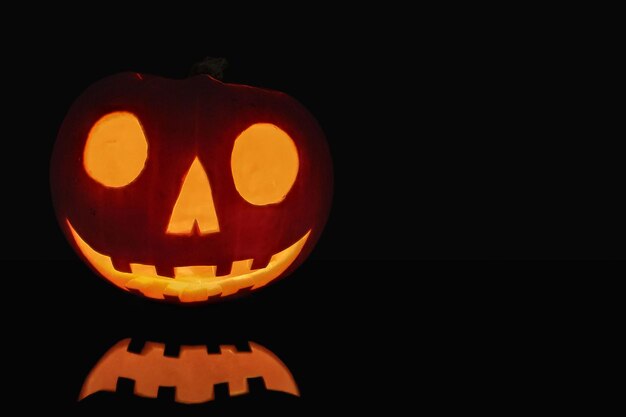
(190, 190)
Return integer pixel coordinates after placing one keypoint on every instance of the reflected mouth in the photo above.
(194, 283)
(194, 373)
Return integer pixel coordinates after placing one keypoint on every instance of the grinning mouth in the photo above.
(190, 283)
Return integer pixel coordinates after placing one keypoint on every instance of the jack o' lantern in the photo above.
(190, 190)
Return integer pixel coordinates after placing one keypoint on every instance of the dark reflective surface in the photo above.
(354, 335)
(306, 321)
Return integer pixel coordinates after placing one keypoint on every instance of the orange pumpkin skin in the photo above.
(184, 120)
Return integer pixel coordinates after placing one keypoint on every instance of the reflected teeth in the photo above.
(190, 283)
(155, 365)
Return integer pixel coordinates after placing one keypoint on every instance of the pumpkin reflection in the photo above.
(192, 375)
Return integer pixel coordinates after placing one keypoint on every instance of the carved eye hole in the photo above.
(264, 164)
(116, 150)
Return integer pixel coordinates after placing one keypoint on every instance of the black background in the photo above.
(453, 138)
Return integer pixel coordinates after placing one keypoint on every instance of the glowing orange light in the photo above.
(191, 283)
(194, 204)
(193, 374)
(190, 190)
(116, 149)
(264, 164)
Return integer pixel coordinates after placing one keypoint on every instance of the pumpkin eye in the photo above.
(264, 164)
(116, 149)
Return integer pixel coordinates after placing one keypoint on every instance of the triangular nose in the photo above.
(194, 204)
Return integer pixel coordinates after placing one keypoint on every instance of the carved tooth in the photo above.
(237, 386)
(149, 287)
(198, 271)
(213, 289)
(154, 348)
(144, 270)
(194, 293)
(147, 387)
(228, 349)
(187, 352)
(236, 284)
(229, 287)
(175, 288)
(139, 283)
(155, 288)
(278, 257)
(241, 267)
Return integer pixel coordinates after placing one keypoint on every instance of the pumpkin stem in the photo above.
(214, 67)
